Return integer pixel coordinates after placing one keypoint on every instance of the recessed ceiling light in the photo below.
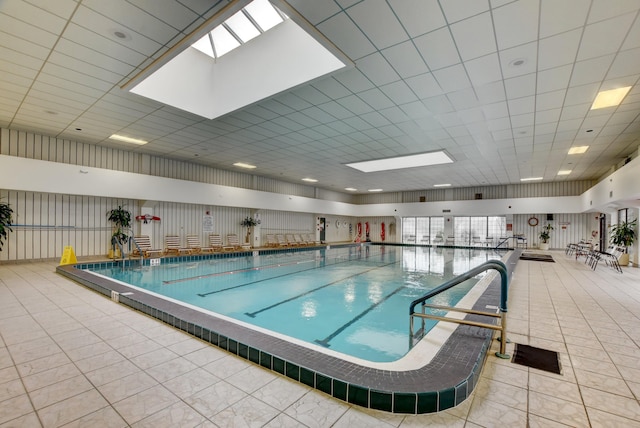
(577, 150)
(412, 161)
(51, 112)
(610, 98)
(564, 172)
(518, 62)
(531, 178)
(310, 180)
(121, 34)
(351, 189)
(244, 165)
(128, 139)
(375, 190)
(442, 185)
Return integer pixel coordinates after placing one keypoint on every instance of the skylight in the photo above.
(246, 24)
(401, 162)
(240, 57)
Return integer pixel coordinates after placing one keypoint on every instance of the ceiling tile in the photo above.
(377, 20)
(406, 59)
(558, 50)
(604, 37)
(554, 79)
(341, 30)
(452, 78)
(474, 36)
(418, 16)
(438, 49)
(457, 10)
(560, 16)
(591, 70)
(483, 70)
(516, 23)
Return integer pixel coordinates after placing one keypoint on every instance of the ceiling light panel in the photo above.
(610, 98)
(128, 139)
(578, 150)
(402, 162)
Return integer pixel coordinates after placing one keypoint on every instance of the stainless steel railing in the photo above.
(502, 315)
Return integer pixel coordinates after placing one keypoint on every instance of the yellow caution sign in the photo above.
(68, 256)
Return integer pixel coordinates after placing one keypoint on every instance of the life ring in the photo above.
(533, 221)
(146, 218)
(359, 229)
(382, 231)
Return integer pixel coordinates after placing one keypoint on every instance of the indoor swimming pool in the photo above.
(351, 300)
(348, 294)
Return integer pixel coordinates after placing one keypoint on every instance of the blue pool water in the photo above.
(352, 300)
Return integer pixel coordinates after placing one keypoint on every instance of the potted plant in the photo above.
(624, 235)
(249, 222)
(121, 219)
(5, 221)
(545, 235)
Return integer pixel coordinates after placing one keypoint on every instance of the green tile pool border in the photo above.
(396, 392)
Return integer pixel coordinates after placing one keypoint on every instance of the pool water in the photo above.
(353, 300)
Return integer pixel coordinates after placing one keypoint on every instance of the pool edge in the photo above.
(351, 383)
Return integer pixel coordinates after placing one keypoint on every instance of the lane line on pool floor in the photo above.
(267, 279)
(325, 342)
(253, 314)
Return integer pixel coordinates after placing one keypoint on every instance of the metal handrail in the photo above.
(132, 239)
(504, 285)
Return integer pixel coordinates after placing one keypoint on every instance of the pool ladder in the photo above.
(502, 315)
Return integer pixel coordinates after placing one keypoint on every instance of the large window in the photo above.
(467, 231)
(422, 230)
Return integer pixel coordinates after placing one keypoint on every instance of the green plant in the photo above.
(624, 234)
(545, 233)
(121, 219)
(5, 221)
(249, 222)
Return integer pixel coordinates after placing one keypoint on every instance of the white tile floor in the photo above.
(70, 357)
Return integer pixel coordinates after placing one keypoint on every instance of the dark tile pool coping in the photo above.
(443, 383)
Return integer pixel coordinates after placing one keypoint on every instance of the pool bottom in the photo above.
(443, 383)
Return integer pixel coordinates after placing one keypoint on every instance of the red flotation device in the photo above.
(382, 231)
(147, 218)
(359, 230)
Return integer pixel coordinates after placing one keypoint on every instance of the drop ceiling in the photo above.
(504, 87)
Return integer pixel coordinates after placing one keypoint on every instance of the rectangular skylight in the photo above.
(242, 27)
(610, 98)
(401, 162)
(128, 139)
(264, 14)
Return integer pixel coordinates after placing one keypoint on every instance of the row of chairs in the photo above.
(290, 240)
(593, 255)
(173, 246)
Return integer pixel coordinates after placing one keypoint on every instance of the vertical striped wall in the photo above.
(568, 228)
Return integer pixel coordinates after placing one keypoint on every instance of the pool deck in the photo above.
(70, 356)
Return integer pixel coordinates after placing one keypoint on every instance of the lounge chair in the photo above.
(281, 241)
(300, 239)
(291, 241)
(215, 242)
(193, 243)
(271, 241)
(143, 247)
(311, 239)
(172, 246)
(232, 240)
